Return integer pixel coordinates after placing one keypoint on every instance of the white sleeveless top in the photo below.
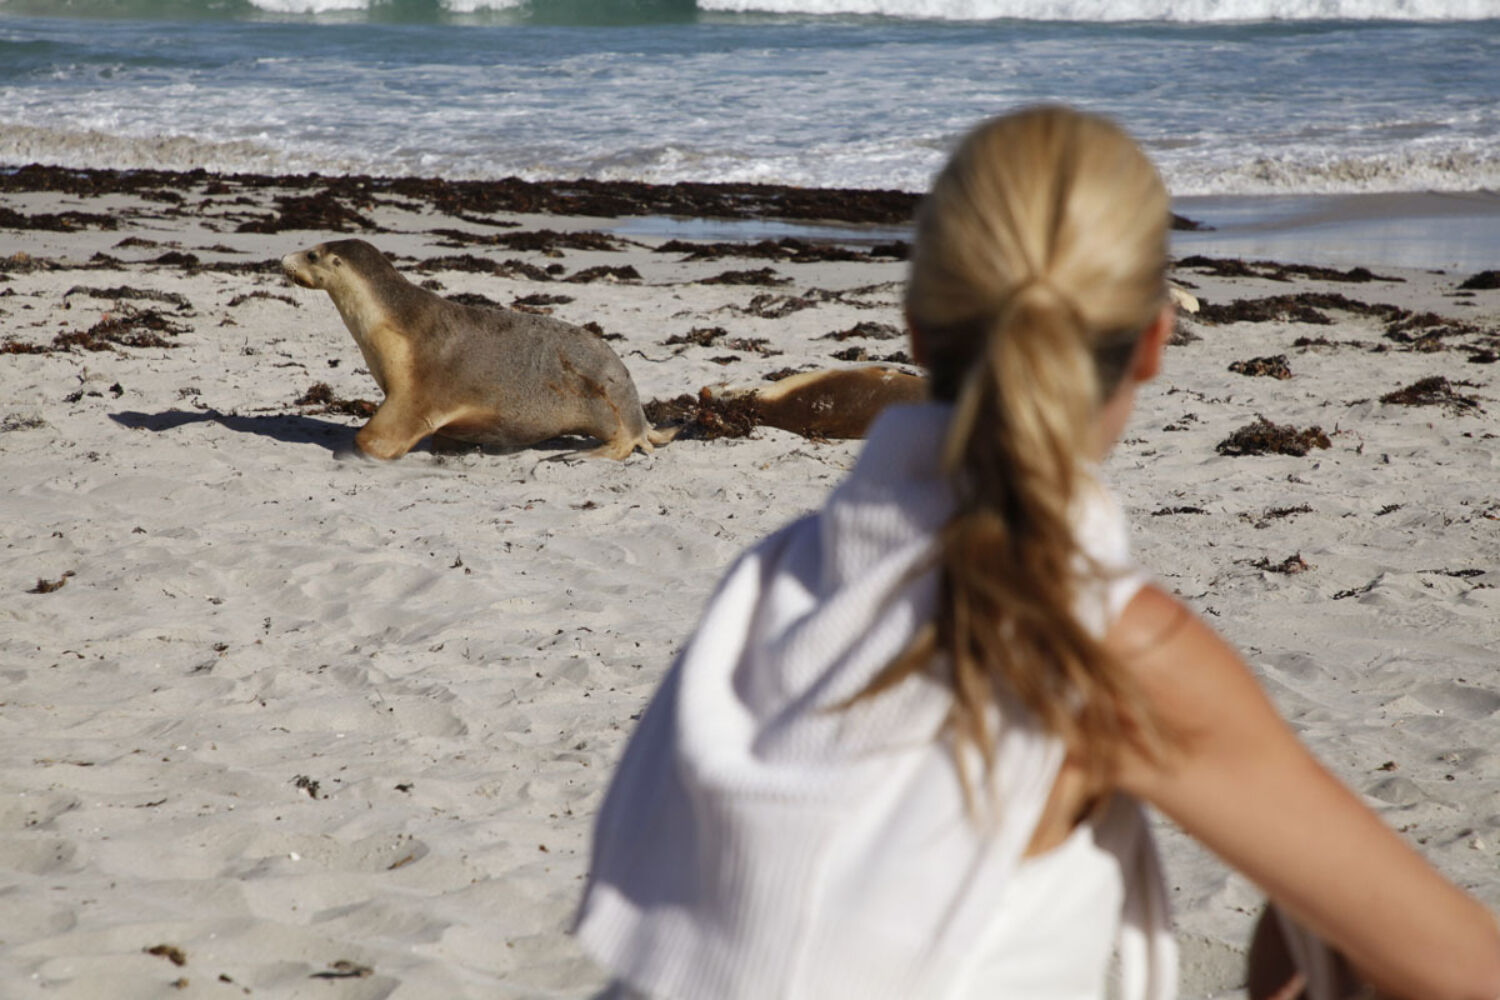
(759, 841)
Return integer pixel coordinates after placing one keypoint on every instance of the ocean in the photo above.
(1278, 99)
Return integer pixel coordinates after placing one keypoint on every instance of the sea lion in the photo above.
(829, 403)
(469, 374)
(1182, 298)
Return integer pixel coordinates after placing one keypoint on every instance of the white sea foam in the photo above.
(1224, 109)
(1132, 10)
(341, 6)
(1038, 10)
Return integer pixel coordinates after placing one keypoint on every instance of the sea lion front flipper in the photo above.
(392, 431)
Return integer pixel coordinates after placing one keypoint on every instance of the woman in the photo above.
(904, 752)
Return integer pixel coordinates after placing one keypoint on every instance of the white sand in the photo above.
(449, 650)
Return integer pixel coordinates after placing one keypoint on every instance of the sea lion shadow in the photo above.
(289, 428)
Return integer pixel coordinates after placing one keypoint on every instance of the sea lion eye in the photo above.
(312, 256)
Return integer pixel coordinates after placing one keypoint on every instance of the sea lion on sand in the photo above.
(470, 374)
(829, 403)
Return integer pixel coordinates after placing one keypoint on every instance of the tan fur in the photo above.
(830, 403)
(470, 375)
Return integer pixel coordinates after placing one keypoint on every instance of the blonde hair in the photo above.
(1040, 257)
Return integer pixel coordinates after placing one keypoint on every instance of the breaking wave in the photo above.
(655, 11)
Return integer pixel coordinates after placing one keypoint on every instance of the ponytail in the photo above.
(1041, 242)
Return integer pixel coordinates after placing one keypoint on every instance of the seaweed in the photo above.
(861, 354)
(699, 336)
(240, 300)
(122, 292)
(605, 272)
(477, 300)
(769, 306)
(1481, 282)
(706, 417)
(322, 396)
(1263, 437)
(128, 327)
(873, 331)
(320, 211)
(759, 276)
(59, 222)
(1274, 366)
(1291, 564)
(780, 374)
(1435, 390)
(44, 586)
(579, 197)
(170, 952)
(541, 299)
(787, 248)
(1233, 267)
(754, 345)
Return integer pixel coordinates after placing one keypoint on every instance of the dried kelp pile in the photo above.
(1435, 390)
(1265, 438)
(705, 417)
(321, 396)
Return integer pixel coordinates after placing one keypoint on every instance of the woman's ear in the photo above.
(1148, 350)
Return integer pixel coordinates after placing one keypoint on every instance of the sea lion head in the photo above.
(323, 266)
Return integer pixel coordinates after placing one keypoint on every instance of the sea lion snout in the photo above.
(295, 266)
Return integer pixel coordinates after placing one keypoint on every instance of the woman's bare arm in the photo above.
(1241, 782)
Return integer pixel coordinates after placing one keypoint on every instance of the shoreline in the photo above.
(372, 706)
(1446, 230)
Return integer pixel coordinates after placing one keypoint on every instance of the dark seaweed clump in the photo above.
(753, 345)
(1263, 438)
(322, 396)
(759, 276)
(1482, 282)
(62, 222)
(45, 586)
(865, 328)
(540, 299)
(1233, 267)
(605, 272)
(598, 199)
(788, 249)
(861, 354)
(706, 417)
(1435, 390)
(698, 336)
(1274, 366)
(780, 374)
(319, 212)
(1291, 564)
(471, 264)
(476, 299)
(128, 327)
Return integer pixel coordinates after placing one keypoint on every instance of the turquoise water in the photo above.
(1252, 97)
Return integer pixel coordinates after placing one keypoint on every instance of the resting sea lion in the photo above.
(830, 403)
(469, 374)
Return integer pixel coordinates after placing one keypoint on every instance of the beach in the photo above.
(280, 721)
